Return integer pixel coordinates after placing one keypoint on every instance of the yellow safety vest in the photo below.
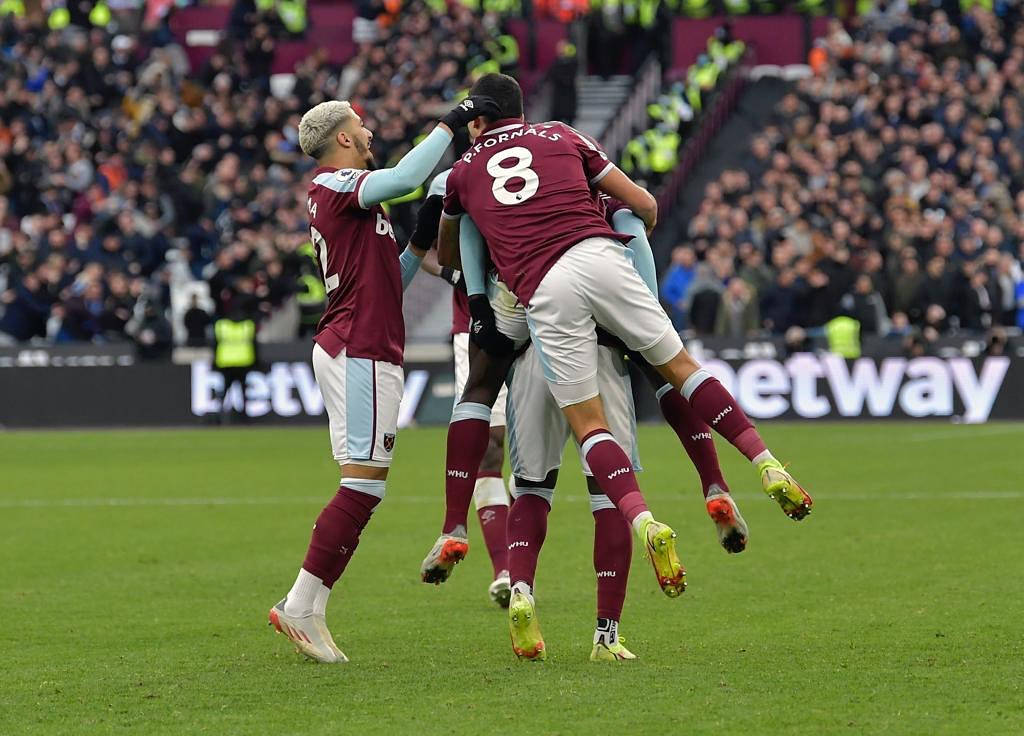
(696, 8)
(813, 7)
(664, 149)
(635, 158)
(488, 67)
(507, 50)
(235, 343)
(843, 335)
(100, 14)
(292, 14)
(59, 18)
(13, 7)
(737, 7)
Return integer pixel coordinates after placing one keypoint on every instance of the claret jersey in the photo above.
(528, 188)
(359, 262)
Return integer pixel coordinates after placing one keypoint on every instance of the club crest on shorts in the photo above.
(389, 441)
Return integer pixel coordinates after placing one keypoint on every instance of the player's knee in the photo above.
(668, 352)
(600, 502)
(369, 486)
(494, 455)
(545, 488)
(482, 393)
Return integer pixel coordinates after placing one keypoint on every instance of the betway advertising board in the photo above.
(51, 388)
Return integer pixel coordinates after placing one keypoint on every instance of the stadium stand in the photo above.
(883, 194)
(149, 172)
(131, 183)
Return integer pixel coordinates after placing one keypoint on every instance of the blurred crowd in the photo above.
(123, 176)
(886, 188)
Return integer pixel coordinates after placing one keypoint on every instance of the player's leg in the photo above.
(491, 501)
(563, 330)
(613, 552)
(695, 436)
(362, 399)
(527, 529)
(622, 304)
(537, 432)
(468, 440)
(613, 543)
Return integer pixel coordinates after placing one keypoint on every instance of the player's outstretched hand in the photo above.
(469, 109)
(424, 234)
(483, 330)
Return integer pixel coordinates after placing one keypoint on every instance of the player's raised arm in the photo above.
(624, 221)
(422, 238)
(606, 177)
(474, 261)
(643, 204)
(414, 167)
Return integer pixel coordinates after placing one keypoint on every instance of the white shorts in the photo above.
(460, 346)
(538, 429)
(362, 397)
(594, 283)
(509, 314)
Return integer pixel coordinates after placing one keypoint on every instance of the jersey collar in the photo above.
(503, 126)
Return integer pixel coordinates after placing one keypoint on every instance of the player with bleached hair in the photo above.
(360, 341)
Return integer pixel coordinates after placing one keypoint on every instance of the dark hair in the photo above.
(504, 90)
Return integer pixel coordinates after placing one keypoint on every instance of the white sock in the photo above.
(301, 597)
(607, 631)
(763, 457)
(320, 602)
(521, 586)
(640, 519)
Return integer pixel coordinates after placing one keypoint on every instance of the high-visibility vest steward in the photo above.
(236, 343)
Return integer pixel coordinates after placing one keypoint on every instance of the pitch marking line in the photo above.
(45, 503)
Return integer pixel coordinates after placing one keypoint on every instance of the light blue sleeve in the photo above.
(411, 171)
(643, 257)
(471, 249)
(410, 263)
(439, 184)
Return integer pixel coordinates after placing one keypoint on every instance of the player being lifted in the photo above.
(359, 344)
(489, 495)
(538, 431)
(550, 244)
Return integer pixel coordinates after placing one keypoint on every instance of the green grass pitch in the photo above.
(138, 567)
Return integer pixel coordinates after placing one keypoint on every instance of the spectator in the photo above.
(197, 323)
(113, 157)
(897, 160)
(152, 334)
(564, 73)
(676, 283)
(866, 306)
(738, 315)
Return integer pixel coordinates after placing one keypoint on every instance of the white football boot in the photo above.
(500, 590)
(309, 633)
